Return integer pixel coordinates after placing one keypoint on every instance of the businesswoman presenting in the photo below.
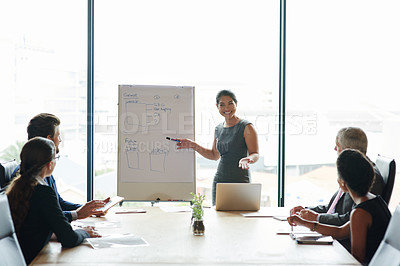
(34, 205)
(235, 142)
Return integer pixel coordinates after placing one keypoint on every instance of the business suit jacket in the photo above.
(44, 218)
(66, 206)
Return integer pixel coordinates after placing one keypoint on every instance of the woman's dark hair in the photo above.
(43, 125)
(35, 154)
(356, 170)
(226, 93)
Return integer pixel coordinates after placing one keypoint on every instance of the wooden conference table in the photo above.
(229, 239)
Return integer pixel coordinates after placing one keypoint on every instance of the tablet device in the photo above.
(113, 201)
(238, 197)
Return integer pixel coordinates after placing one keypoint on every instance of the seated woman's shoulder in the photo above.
(44, 191)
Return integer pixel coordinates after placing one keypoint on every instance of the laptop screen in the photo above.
(238, 197)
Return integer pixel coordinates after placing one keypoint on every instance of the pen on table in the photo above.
(168, 138)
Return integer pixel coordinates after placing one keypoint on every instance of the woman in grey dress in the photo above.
(235, 142)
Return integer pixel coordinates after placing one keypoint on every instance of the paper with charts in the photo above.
(148, 115)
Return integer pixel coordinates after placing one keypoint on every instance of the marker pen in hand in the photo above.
(168, 138)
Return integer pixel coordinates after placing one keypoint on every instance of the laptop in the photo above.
(238, 197)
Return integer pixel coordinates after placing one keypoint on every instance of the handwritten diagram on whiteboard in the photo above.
(147, 116)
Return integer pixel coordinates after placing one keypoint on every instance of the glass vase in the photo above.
(198, 227)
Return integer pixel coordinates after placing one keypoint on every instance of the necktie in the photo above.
(335, 201)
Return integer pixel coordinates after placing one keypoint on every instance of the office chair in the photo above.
(388, 252)
(387, 167)
(6, 170)
(10, 251)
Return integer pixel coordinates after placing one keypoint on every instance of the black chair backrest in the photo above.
(388, 252)
(387, 167)
(10, 251)
(6, 170)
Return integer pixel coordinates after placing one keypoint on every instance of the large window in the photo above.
(212, 45)
(43, 69)
(342, 70)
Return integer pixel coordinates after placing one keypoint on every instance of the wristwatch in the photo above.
(314, 228)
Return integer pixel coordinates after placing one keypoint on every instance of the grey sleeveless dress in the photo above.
(232, 147)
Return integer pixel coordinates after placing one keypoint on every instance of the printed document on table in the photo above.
(117, 241)
(96, 224)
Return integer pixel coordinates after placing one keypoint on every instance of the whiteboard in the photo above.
(150, 167)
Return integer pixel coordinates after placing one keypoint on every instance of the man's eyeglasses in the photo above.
(57, 157)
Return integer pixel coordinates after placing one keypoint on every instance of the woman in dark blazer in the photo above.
(34, 206)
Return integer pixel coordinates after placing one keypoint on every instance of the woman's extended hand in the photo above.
(212, 154)
(245, 162)
(185, 144)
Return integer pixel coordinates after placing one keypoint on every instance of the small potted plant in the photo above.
(197, 214)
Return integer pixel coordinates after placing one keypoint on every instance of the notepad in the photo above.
(305, 234)
(316, 240)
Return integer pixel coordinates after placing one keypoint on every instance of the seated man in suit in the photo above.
(47, 126)
(337, 211)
